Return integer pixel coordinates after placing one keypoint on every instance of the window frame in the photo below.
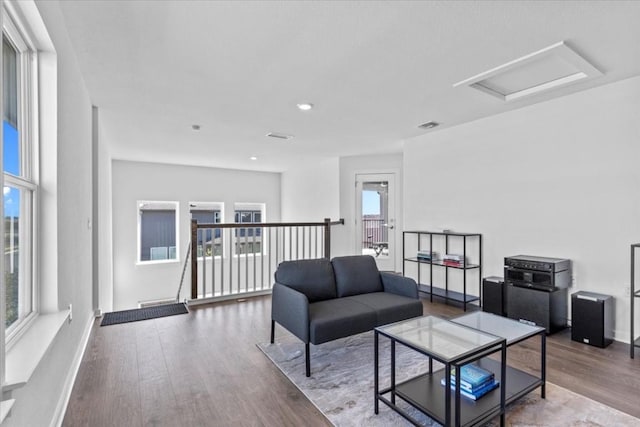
(207, 207)
(27, 181)
(140, 204)
(253, 208)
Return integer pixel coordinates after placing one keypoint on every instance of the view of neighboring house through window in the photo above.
(209, 240)
(373, 215)
(20, 187)
(249, 240)
(157, 231)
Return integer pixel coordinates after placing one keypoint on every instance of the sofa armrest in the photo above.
(290, 309)
(399, 285)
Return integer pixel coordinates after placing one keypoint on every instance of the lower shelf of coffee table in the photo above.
(426, 393)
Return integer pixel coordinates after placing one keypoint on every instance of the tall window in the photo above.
(157, 231)
(20, 187)
(209, 241)
(249, 239)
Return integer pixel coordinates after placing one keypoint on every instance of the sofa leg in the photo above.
(273, 330)
(307, 359)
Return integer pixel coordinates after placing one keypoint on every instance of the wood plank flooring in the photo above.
(204, 369)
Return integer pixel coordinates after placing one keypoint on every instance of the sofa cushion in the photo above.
(312, 277)
(338, 318)
(356, 275)
(389, 307)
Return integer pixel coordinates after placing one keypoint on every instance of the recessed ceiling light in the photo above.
(305, 106)
(253, 158)
(195, 127)
(279, 135)
(429, 125)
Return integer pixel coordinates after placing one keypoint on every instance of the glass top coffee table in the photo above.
(454, 345)
(455, 342)
(514, 332)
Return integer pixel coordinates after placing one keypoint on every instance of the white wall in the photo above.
(38, 402)
(135, 181)
(311, 192)
(326, 189)
(105, 235)
(349, 167)
(558, 179)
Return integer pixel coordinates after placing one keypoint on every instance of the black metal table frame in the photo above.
(543, 360)
(456, 363)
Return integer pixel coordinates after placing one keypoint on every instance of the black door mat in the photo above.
(146, 313)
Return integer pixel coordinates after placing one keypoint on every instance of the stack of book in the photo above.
(475, 381)
(424, 255)
(453, 260)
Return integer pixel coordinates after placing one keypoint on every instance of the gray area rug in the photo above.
(341, 386)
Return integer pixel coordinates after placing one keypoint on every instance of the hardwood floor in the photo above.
(204, 369)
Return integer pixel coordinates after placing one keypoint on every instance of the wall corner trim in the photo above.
(65, 395)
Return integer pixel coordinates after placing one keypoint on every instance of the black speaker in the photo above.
(494, 296)
(537, 307)
(592, 318)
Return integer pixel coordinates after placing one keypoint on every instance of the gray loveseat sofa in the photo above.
(319, 300)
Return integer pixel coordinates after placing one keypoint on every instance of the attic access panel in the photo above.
(552, 67)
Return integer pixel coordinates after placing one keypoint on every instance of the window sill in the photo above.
(160, 261)
(5, 407)
(23, 358)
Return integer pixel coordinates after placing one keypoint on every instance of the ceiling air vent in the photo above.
(428, 125)
(279, 135)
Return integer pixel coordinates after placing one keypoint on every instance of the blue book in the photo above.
(472, 376)
(476, 394)
(464, 386)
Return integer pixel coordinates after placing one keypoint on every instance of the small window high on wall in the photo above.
(157, 231)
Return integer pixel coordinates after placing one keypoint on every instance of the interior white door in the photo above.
(375, 218)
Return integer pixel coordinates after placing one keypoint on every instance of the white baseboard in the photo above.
(65, 395)
(238, 297)
(156, 302)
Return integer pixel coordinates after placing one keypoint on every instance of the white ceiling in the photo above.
(375, 70)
